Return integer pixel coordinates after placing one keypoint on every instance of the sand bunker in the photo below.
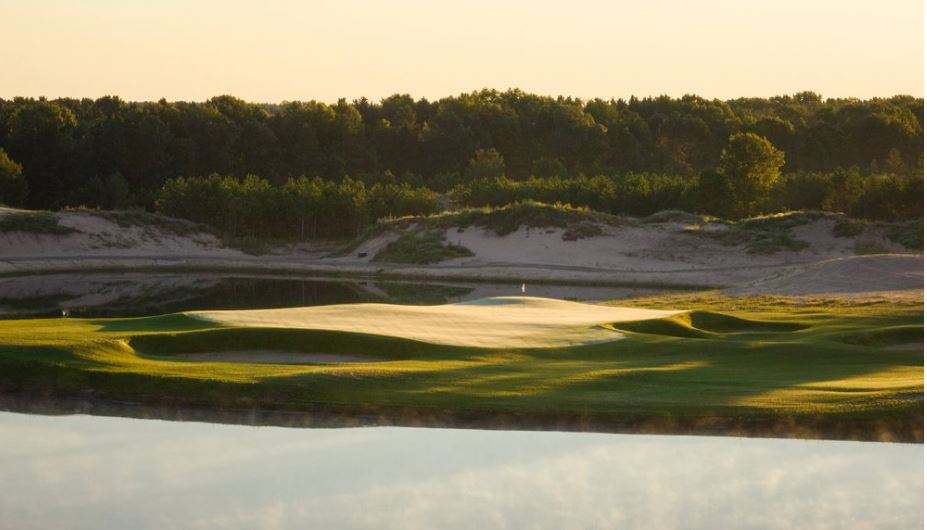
(503, 322)
(276, 357)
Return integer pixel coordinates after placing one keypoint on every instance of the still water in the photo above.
(97, 472)
(140, 294)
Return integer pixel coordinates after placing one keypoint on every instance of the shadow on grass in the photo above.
(703, 325)
(296, 340)
(162, 323)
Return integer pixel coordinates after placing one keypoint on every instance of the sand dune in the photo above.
(502, 322)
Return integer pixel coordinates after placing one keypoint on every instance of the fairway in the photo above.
(853, 371)
(499, 322)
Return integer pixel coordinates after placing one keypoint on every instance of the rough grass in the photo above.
(759, 357)
(767, 234)
(421, 247)
(507, 219)
(582, 230)
(909, 234)
(46, 223)
(888, 336)
(677, 216)
(867, 249)
(846, 227)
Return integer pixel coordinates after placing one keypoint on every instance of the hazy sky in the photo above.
(276, 50)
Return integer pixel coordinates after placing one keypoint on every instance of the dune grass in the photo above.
(421, 248)
(33, 223)
(758, 358)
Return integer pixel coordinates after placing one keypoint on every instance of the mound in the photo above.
(856, 274)
(30, 233)
(505, 322)
(703, 325)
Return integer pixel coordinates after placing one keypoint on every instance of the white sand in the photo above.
(661, 253)
(503, 322)
(94, 235)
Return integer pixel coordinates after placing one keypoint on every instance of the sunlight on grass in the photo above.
(769, 359)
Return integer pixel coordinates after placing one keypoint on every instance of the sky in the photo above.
(284, 50)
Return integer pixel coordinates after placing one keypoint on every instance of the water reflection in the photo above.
(138, 294)
(94, 472)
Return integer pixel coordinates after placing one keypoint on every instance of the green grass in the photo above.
(846, 227)
(581, 230)
(766, 234)
(678, 216)
(33, 223)
(704, 325)
(422, 248)
(507, 219)
(753, 358)
(909, 234)
(863, 248)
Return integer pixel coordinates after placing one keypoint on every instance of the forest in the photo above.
(312, 169)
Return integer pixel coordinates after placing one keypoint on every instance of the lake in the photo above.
(152, 293)
(103, 472)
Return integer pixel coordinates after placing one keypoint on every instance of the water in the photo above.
(97, 472)
(140, 294)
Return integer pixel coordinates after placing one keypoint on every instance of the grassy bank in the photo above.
(764, 361)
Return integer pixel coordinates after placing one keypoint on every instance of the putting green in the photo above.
(502, 322)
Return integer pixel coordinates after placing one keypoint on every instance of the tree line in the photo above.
(746, 181)
(300, 209)
(111, 153)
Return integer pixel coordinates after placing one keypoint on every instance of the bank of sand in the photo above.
(663, 254)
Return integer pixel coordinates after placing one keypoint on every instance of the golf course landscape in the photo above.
(683, 363)
(503, 265)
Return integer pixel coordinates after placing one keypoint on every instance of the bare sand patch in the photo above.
(276, 357)
(502, 322)
(854, 274)
(96, 235)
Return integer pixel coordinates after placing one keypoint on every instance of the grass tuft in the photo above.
(34, 223)
(421, 248)
(867, 249)
(677, 216)
(846, 227)
(910, 234)
(581, 230)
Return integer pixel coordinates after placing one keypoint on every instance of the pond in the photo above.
(152, 293)
(103, 472)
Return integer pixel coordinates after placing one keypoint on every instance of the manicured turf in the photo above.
(755, 358)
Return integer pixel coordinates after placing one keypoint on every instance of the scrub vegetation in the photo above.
(421, 247)
(33, 223)
(821, 368)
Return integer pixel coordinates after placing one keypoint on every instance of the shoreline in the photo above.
(798, 427)
(498, 273)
